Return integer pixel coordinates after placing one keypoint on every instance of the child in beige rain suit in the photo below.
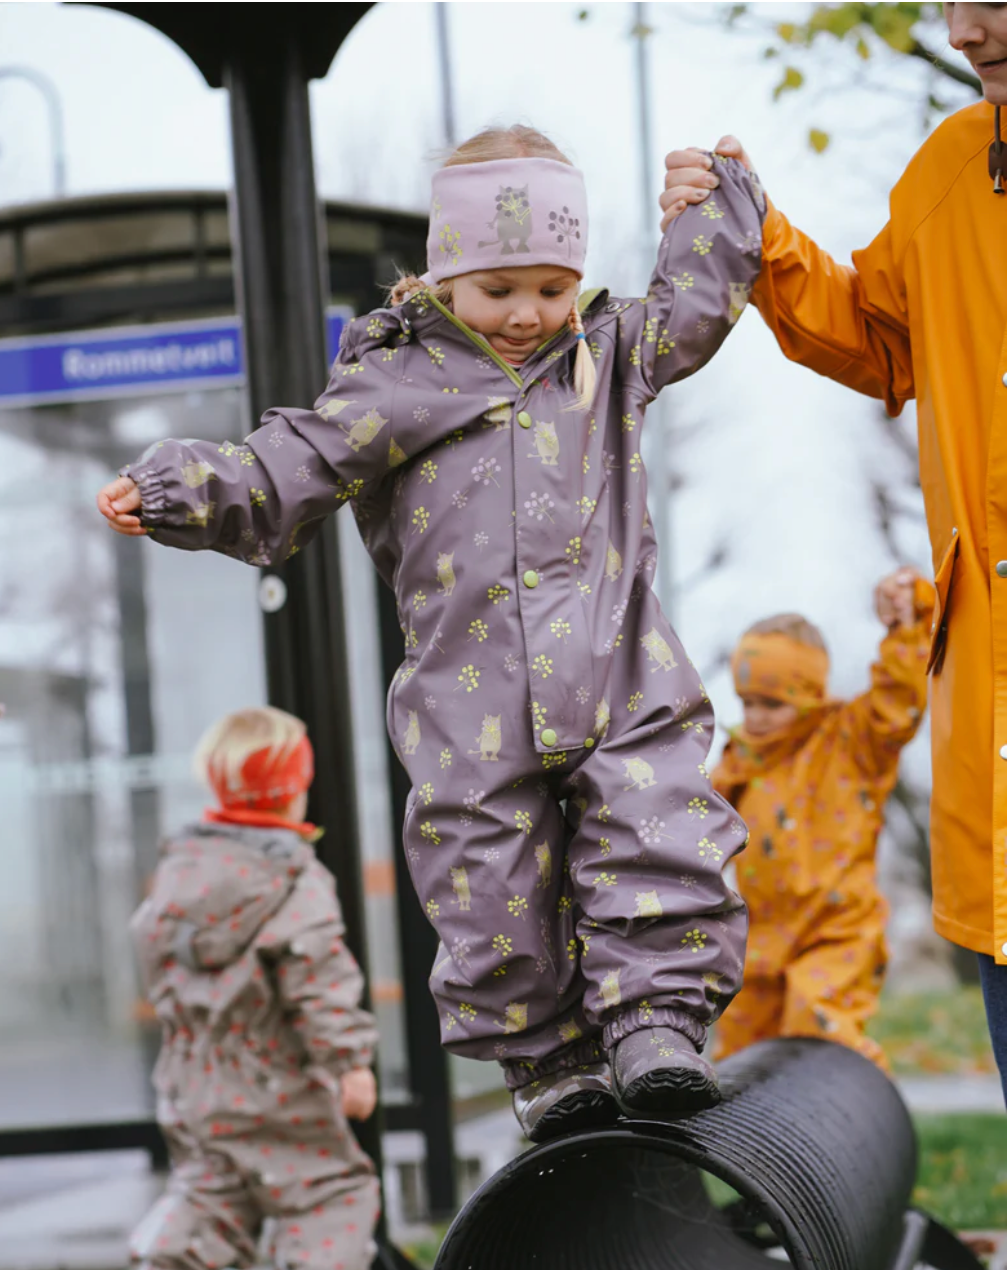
(562, 831)
(265, 1048)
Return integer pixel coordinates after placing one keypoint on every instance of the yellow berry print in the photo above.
(709, 851)
(421, 519)
(502, 945)
(633, 705)
(573, 550)
(694, 940)
(467, 1011)
(518, 907)
(564, 904)
(433, 909)
(436, 355)
(257, 497)
(698, 807)
(636, 464)
(702, 244)
(374, 328)
(524, 821)
(542, 665)
(478, 630)
(572, 949)
(561, 628)
(428, 471)
(419, 599)
(604, 879)
(469, 678)
(629, 423)
(711, 210)
(426, 793)
(683, 280)
(605, 846)
(445, 759)
(498, 594)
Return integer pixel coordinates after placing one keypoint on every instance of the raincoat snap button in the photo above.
(524, 418)
(1004, 379)
(531, 579)
(1004, 748)
(548, 737)
(589, 742)
(1001, 568)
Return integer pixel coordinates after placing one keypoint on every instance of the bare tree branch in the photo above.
(947, 68)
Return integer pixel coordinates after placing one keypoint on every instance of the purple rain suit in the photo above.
(562, 832)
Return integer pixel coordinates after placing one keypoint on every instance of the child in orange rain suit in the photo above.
(810, 776)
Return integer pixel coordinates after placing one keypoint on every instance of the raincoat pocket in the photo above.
(943, 590)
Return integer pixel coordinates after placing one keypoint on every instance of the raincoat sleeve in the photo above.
(320, 983)
(708, 260)
(886, 717)
(849, 324)
(263, 500)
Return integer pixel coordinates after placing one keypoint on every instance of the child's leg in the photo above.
(206, 1220)
(833, 990)
(491, 877)
(316, 1185)
(755, 1015)
(662, 934)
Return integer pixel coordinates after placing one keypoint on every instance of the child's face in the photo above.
(515, 309)
(763, 716)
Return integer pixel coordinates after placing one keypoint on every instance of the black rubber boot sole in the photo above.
(584, 1109)
(668, 1091)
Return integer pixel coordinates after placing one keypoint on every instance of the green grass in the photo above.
(961, 1173)
(935, 1034)
(423, 1253)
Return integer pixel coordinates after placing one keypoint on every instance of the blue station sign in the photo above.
(132, 361)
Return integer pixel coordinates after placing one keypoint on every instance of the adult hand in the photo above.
(689, 179)
(117, 501)
(359, 1091)
(894, 598)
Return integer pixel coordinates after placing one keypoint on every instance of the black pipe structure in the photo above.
(811, 1154)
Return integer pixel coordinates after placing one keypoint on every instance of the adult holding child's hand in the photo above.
(921, 315)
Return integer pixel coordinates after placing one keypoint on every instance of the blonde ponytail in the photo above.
(584, 363)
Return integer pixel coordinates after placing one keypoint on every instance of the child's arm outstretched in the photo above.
(708, 260)
(262, 500)
(886, 717)
(321, 985)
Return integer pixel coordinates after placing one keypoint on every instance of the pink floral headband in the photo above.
(508, 212)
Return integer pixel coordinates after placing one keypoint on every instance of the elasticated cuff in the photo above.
(518, 1074)
(153, 502)
(636, 1018)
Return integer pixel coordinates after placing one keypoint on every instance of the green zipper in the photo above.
(478, 340)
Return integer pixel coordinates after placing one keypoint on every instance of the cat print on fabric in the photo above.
(513, 220)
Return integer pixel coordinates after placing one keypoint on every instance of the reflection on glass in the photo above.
(115, 654)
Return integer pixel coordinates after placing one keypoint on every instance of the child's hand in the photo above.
(117, 501)
(689, 179)
(895, 600)
(359, 1092)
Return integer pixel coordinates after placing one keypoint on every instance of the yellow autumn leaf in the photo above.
(818, 139)
(791, 79)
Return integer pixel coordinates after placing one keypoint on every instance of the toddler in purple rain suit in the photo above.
(265, 1049)
(562, 831)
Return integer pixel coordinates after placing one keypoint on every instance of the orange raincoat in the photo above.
(813, 798)
(922, 315)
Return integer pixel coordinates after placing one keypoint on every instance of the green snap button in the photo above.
(524, 418)
(589, 742)
(531, 579)
(548, 737)
(1002, 568)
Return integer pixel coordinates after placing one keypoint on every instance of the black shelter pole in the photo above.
(275, 227)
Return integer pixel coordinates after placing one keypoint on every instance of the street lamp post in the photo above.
(48, 90)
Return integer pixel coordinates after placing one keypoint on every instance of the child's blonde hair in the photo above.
(517, 142)
(794, 626)
(230, 742)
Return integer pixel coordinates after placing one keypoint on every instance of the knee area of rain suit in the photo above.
(241, 951)
(562, 832)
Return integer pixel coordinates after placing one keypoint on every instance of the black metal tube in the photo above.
(813, 1137)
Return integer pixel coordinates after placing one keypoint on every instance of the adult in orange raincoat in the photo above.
(810, 777)
(922, 315)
